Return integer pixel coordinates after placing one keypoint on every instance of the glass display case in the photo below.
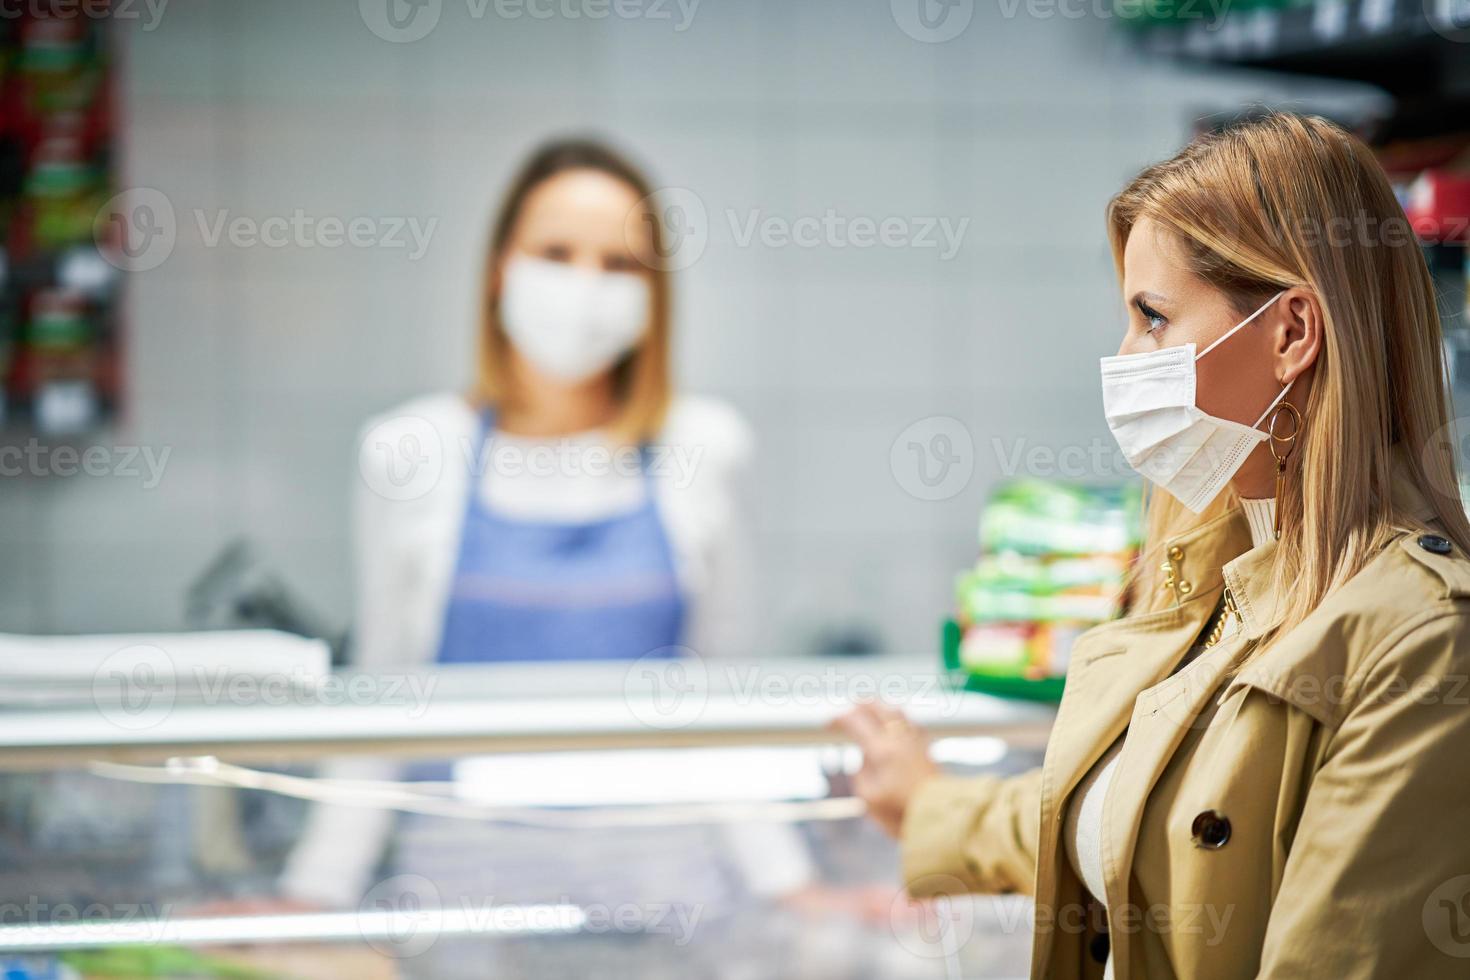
(660, 818)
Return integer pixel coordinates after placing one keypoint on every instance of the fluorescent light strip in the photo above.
(314, 927)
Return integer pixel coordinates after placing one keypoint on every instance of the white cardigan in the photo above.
(406, 548)
(409, 504)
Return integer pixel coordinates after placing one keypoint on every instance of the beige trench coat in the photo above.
(1303, 811)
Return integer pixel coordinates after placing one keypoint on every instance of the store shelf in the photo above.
(1416, 50)
(1363, 40)
(61, 334)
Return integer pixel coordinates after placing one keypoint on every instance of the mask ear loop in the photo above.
(1289, 441)
(1275, 404)
(1233, 330)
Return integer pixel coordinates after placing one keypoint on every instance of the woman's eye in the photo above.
(557, 253)
(620, 263)
(1152, 317)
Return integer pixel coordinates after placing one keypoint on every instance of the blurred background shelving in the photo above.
(59, 337)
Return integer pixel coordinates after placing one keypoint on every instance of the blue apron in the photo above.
(551, 590)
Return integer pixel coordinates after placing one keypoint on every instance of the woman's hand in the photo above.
(874, 905)
(895, 760)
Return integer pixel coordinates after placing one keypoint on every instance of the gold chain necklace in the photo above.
(1227, 609)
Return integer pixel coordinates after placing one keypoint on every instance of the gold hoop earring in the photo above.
(1281, 456)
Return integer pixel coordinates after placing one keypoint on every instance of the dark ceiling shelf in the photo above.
(1416, 50)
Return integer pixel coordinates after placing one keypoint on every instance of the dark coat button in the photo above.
(1435, 544)
(1210, 829)
(1098, 948)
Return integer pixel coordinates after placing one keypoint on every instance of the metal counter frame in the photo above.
(504, 708)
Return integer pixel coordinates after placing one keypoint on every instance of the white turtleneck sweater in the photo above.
(1082, 829)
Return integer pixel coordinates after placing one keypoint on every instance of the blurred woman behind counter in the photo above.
(583, 512)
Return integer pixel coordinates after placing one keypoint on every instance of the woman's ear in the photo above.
(1299, 333)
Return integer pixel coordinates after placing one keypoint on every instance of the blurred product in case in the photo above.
(299, 962)
(1437, 202)
(1052, 519)
(64, 362)
(59, 320)
(1054, 558)
(64, 185)
(42, 967)
(64, 408)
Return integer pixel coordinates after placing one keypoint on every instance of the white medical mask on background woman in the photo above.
(571, 323)
(1149, 401)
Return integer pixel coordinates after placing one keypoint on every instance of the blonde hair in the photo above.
(1260, 207)
(641, 382)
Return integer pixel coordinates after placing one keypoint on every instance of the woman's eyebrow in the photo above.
(1144, 295)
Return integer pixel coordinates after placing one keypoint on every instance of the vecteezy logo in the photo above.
(667, 688)
(400, 21)
(679, 214)
(401, 458)
(934, 458)
(135, 687)
(1447, 917)
(1452, 439)
(937, 928)
(135, 230)
(932, 21)
(401, 916)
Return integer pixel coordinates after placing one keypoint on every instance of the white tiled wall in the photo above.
(255, 366)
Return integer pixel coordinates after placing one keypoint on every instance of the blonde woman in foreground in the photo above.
(1263, 770)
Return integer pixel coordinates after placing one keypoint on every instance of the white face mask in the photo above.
(1149, 400)
(571, 323)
